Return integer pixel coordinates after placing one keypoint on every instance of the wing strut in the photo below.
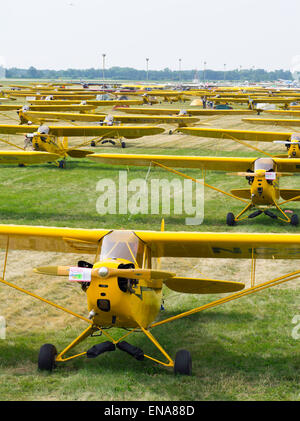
(198, 181)
(248, 145)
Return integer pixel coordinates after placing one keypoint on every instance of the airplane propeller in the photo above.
(104, 273)
(270, 174)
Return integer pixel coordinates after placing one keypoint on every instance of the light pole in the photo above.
(180, 69)
(147, 67)
(103, 65)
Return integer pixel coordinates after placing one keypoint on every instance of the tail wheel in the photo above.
(183, 363)
(46, 360)
(230, 219)
(294, 220)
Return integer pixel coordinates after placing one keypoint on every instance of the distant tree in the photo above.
(129, 73)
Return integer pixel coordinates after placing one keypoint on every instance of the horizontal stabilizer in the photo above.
(242, 193)
(76, 153)
(288, 194)
(202, 286)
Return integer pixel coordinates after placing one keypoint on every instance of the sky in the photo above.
(226, 34)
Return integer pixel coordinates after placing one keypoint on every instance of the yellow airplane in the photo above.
(111, 120)
(262, 175)
(46, 138)
(289, 139)
(124, 291)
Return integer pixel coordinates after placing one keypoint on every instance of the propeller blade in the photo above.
(242, 174)
(147, 274)
(286, 142)
(53, 270)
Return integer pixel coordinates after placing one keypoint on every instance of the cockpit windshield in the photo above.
(182, 112)
(295, 137)
(124, 245)
(266, 164)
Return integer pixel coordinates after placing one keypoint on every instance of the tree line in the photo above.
(128, 73)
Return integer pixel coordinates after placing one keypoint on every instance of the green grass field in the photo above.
(243, 350)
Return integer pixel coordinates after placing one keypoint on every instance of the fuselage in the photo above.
(121, 302)
(264, 188)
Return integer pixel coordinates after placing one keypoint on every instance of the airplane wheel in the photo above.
(170, 132)
(123, 144)
(47, 356)
(62, 164)
(93, 143)
(183, 363)
(230, 219)
(294, 220)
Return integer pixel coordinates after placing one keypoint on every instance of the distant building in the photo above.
(2, 72)
(295, 68)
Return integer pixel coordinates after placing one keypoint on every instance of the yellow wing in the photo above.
(130, 132)
(273, 121)
(221, 245)
(236, 134)
(61, 107)
(41, 116)
(63, 240)
(47, 116)
(9, 107)
(205, 162)
(218, 163)
(291, 113)
(190, 111)
(26, 158)
(161, 243)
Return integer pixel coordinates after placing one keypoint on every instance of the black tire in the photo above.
(93, 143)
(123, 144)
(294, 220)
(62, 164)
(183, 363)
(230, 219)
(170, 131)
(46, 360)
